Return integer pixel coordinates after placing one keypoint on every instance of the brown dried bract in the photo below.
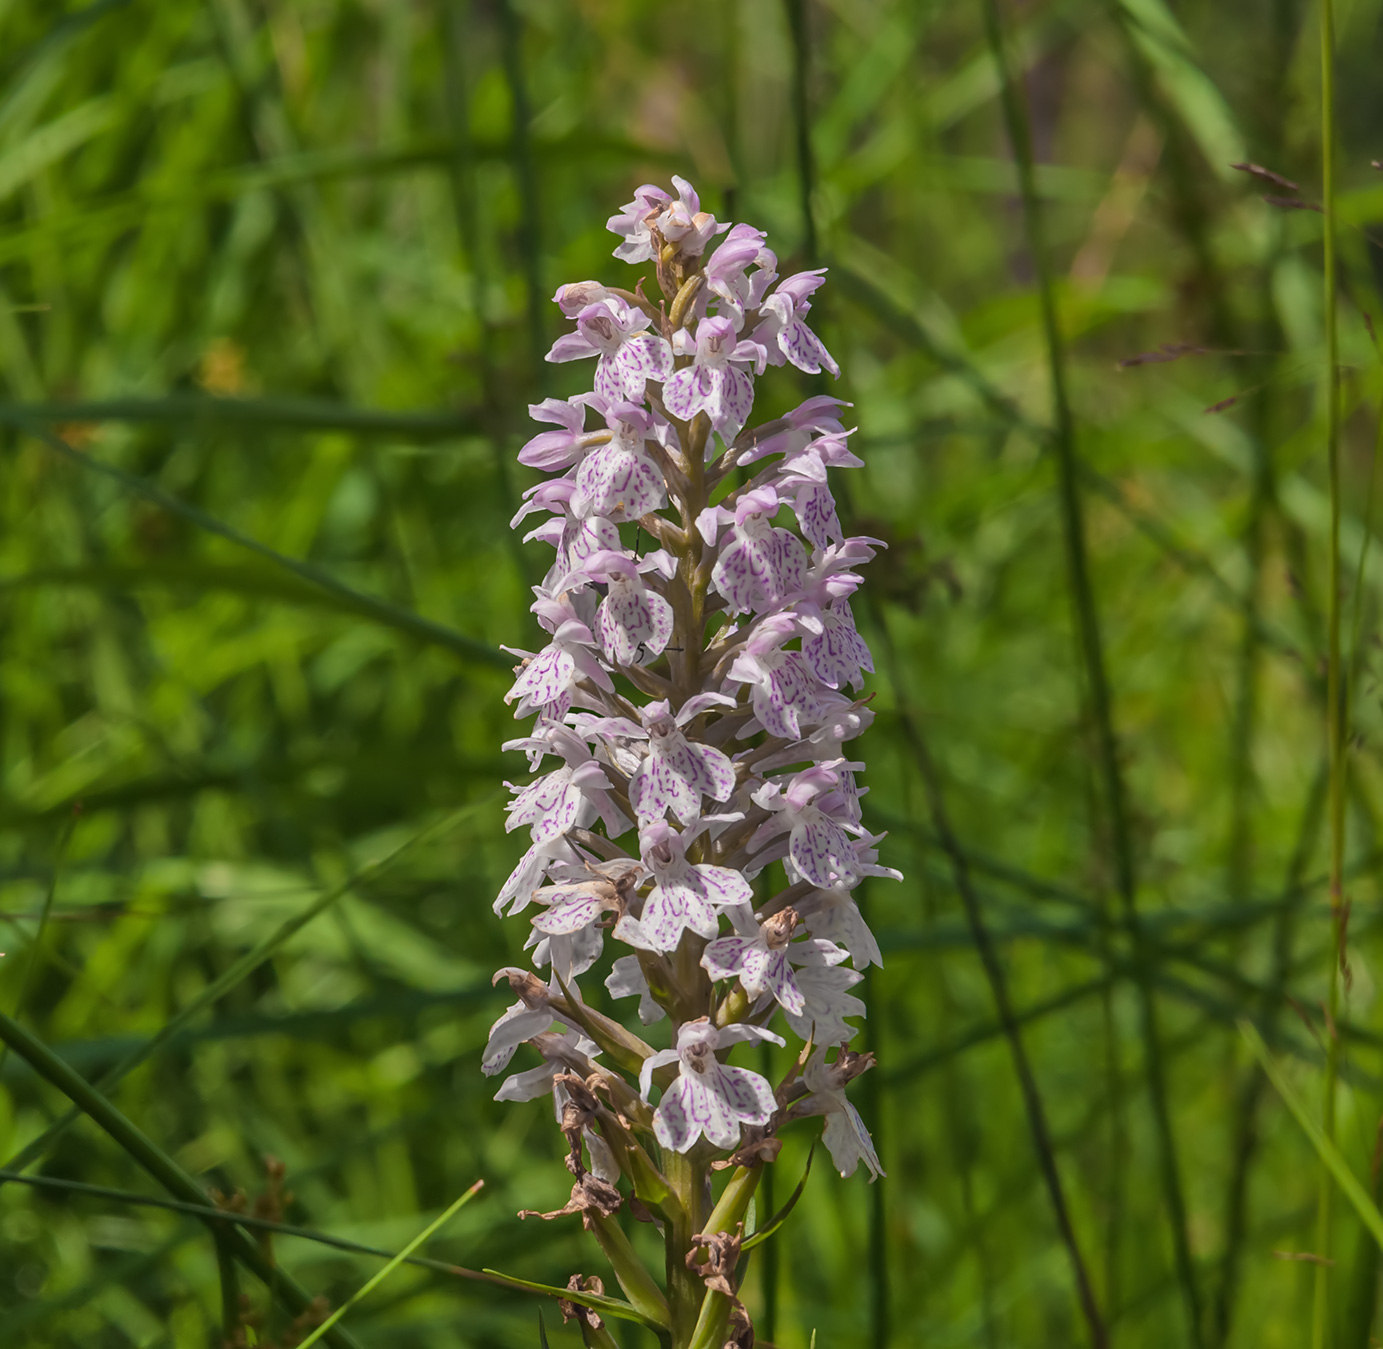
(722, 1255)
(1292, 204)
(1267, 176)
(573, 1311)
(1168, 351)
(741, 1330)
(758, 1146)
(589, 1195)
(526, 986)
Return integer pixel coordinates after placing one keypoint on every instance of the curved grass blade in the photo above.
(607, 1306)
(367, 605)
(143, 1150)
(370, 1284)
(240, 969)
(1331, 1158)
(781, 1216)
(289, 414)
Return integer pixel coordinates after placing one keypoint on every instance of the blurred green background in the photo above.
(279, 271)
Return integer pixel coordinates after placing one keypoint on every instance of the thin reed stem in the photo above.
(526, 179)
(797, 26)
(1335, 693)
(998, 986)
(1092, 653)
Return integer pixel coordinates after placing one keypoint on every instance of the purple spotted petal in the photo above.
(674, 906)
(730, 400)
(672, 1124)
(550, 805)
(634, 624)
(723, 886)
(815, 508)
(640, 359)
(740, 575)
(676, 774)
(804, 348)
(837, 653)
(758, 573)
(685, 394)
(748, 1095)
(724, 957)
(581, 539)
(714, 772)
(821, 850)
(546, 677)
(617, 482)
(780, 980)
(571, 916)
(787, 694)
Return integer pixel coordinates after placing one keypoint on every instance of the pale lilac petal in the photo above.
(529, 1085)
(709, 1111)
(815, 508)
(517, 1024)
(545, 678)
(652, 1063)
(570, 347)
(626, 980)
(634, 624)
(849, 1143)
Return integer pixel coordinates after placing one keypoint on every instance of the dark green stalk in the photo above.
(767, 1323)
(1335, 694)
(526, 179)
(1244, 1130)
(871, 1095)
(1091, 646)
(806, 173)
(158, 1164)
(36, 944)
(465, 198)
(229, 1274)
(998, 986)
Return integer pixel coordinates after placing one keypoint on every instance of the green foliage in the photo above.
(273, 297)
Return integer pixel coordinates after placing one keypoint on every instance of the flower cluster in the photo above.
(697, 689)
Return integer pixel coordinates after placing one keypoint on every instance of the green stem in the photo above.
(1335, 694)
(684, 1288)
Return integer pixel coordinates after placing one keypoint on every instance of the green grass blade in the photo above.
(372, 1283)
(368, 605)
(607, 1306)
(1330, 1156)
(242, 968)
(144, 1151)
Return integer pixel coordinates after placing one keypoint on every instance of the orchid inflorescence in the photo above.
(695, 695)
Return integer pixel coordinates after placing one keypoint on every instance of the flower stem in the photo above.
(1335, 694)
(684, 1289)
